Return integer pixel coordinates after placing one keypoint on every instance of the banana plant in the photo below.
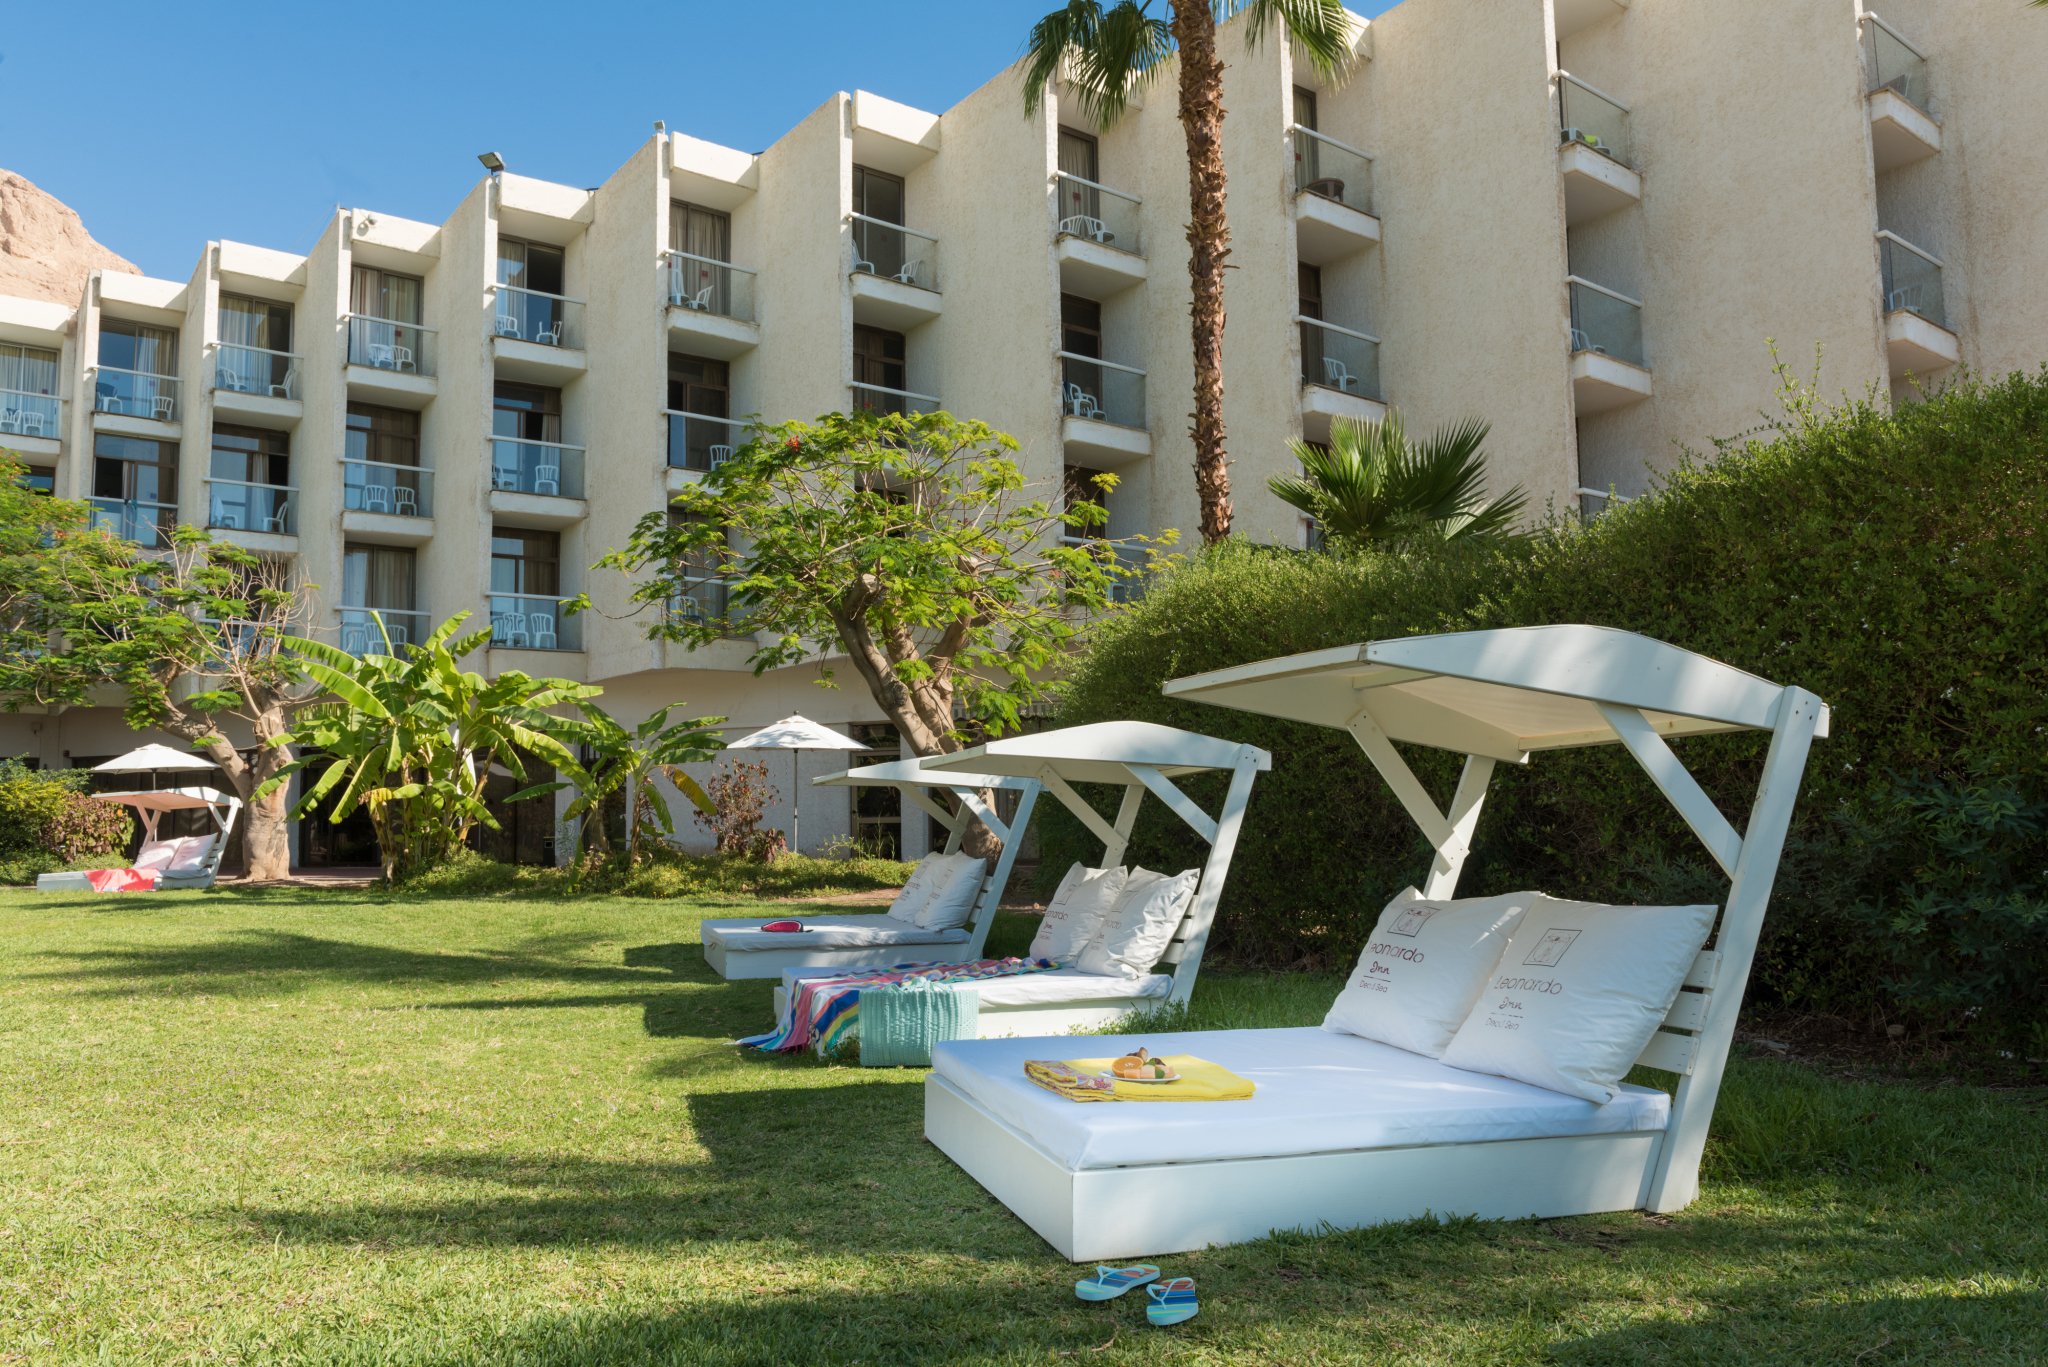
(622, 761)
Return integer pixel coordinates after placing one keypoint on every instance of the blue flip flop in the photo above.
(1172, 1302)
(1110, 1282)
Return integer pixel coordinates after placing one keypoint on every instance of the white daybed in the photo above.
(192, 861)
(1349, 1132)
(739, 948)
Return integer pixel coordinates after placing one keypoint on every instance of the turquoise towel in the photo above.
(899, 1025)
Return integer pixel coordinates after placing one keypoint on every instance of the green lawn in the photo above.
(324, 1127)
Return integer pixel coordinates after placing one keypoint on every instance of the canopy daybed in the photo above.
(739, 948)
(1140, 759)
(1349, 1131)
(162, 864)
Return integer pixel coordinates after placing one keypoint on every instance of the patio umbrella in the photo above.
(794, 733)
(151, 758)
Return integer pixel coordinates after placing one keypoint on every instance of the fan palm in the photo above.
(1371, 484)
(1104, 56)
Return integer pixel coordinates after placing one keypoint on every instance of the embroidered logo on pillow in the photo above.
(1075, 914)
(1423, 967)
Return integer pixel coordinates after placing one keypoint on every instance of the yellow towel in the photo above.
(1200, 1080)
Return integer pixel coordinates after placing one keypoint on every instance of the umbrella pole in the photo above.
(794, 816)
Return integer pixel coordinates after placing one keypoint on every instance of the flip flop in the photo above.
(1172, 1301)
(1110, 1282)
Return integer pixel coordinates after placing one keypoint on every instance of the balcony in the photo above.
(1102, 411)
(264, 510)
(133, 400)
(390, 361)
(1333, 215)
(705, 599)
(1097, 243)
(536, 483)
(710, 305)
(536, 336)
(1608, 367)
(1340, 377)
(146, 524)
(526, 621)
(874, 398)
(895, 275)
(257, 383)
(1917, 337)
(29, 422)
(1596, 158)
(1128, 555)
(1903, 126)
(699, 444)
(388, 504)
(365, 631)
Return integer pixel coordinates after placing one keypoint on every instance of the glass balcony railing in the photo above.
(1605, 323)
(894, 252)
(237, 504)
(135, 393)
(703, 284)
(525, 315)
(697, 442)
(701, 600)
(1338, 358)
(536, 467)
(255, 370)
(361, 634)
(1593, 119)
(1892, 63)
(28, 415)
(146, 524)
(1128, 555)
(1101, 390)
(874, 398)
(1097, 213)
(386, 344)
(526, 621)
(369, 486)
(1912, 280)
(1330, 170)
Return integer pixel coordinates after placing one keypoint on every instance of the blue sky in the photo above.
(169, 123)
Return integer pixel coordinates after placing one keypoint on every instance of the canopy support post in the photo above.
(1449, 836)
(1677, 784)
(924, 802)
(1126, 818)
(1083, 813)
(1216, 868)
(1010, 834)
(1463, 819)
(1182, 806)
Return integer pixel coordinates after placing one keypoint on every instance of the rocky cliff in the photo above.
(45, 251)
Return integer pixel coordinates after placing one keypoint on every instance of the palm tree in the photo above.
(1105, 56)
(1371, 484)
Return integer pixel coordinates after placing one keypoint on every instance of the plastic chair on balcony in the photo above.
(376, 498)
(280, 520)
(224, 517)
(547, 479)
(1904, 299)
(505, 475)
(861, 265)
(719, 455)
(163, 407)
(408, 506)
(1080, 403)
(540, 627)
(908, 274)
(1088, 226)
(27, 422)
(508, 326)
(399, 633)
(699, 302)
(551, 335)
(1583, 341)
(1329, 187)
(355, 638)
(401, 359)
(227, 377)
(509, 629)
(105, 399)
(1338, 376)
(288, 386)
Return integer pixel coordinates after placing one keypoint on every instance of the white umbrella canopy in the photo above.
(153, 757)
(794, 732)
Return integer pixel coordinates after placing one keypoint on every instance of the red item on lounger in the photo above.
(121, 880)
(784, 925)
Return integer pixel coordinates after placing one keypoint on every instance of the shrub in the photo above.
(47, 819)
(1891, 562)
(740, 795)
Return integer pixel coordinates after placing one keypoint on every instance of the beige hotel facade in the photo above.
(1582, 220)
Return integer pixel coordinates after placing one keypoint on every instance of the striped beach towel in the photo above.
(823, 1013)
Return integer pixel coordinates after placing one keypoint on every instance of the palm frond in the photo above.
(1320, 29)
(1104, 56)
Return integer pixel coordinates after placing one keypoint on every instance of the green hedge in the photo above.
(1894, 563)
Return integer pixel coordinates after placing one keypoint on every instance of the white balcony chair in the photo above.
(105, 399)
(399, 633)
(407, 504)
(280, 520)
(540, 628)
(288, 386)
(1583, 341)
(719, 455)
(509, 629)
(908, 274)
(227, 377)
(547, 479)
(1906, 298)
(1088, 226)
(224, 517)
(504, 476)
(700, 302)
(382, 357)
(1338, 376)
(551, 335)
(24, 421)
(862, 265)
(508, 326)
(1080, 403)
(376, 498)
(401, 359)
(355, 638)
(163, 407)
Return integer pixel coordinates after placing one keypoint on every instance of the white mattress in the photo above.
(824, 932)
(1060, 987)
(1318, 1092)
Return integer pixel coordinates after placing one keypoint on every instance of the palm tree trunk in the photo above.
(1201, 119)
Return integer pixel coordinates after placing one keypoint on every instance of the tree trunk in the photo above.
(266, 837)
(1201, 118)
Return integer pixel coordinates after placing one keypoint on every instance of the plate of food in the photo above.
(1140, 1066)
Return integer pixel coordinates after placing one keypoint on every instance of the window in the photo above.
(1080, 326)
(1310, 305)
(382, 577)
(876, 818)
(700, 231)
(526, 562)
(878, 361)
(1309, 284)
(382, 473)
(255, 342)
(134, 470)
(249, 475)
(381, 294)
(879, 196)
(698, 384)
(26, 370)
(1305, 106)
(255, 323)
(531, 266)
(138, 347)
(527, 412)
(384, 436)
(39, 481)
(1078, 154)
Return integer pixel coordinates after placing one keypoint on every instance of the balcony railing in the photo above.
(536, 467)
(1128, 555)
(371, 486)
(704, 284)
(243, 506)
(255, 370)
(535, 316)
(28, 415)
(1594, 118)
(698, 442)
(1102, 390)
(1328, 169)
(529, 621)
(874, 398)
(1097, 213)
(706, 599)
(1892, 63)
(387, 344)
(894, 252)
(1606, 323)
(146, 524)
(360, 634)
(1912, 279)
(135, 393)
(1339, 358)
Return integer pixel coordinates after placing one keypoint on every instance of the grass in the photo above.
(305, 1126)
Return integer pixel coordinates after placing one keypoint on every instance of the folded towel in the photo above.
(1199, 1080)
(1059, 1077)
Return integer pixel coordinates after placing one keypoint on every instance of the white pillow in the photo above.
(1578, 992)
(952, 901)
(1076, 912)
(924, 880)
(1140, 925)
(1423, 967)
(191, 855)
(156, 854)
